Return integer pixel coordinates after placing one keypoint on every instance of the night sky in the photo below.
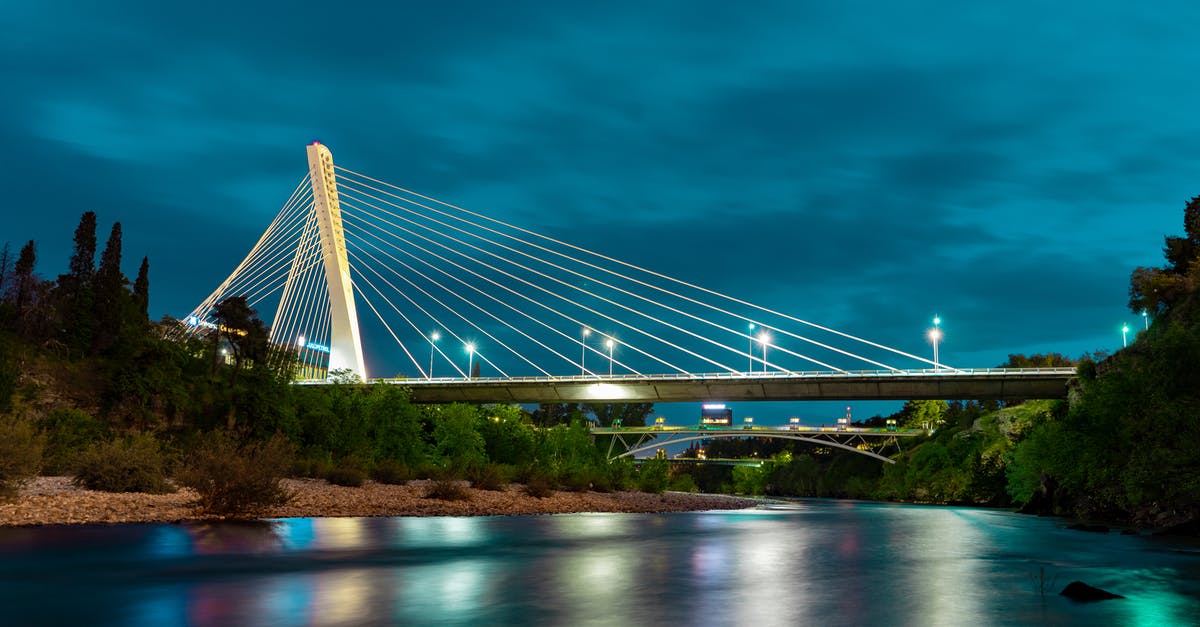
(858, 165)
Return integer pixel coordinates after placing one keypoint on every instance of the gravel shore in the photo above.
(54, 501)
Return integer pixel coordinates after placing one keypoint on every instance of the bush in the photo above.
(347, 476)
(447, 490)
(20, 455)
(136, 464)
(539, 486)
(68, 433)
(654, 475)
(234, 478)
(489, 477)
(684, 483)
(391, 472)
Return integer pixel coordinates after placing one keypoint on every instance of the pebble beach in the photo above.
(55, 501)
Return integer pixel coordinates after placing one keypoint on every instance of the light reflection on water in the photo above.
(830, 563)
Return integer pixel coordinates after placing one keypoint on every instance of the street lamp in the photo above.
(763, 338)
(1125, 335)
(470, 358)
(583, 351)
(609, 344)
(935, 335)
(750, 350)
(433, 338)
(1146, 318)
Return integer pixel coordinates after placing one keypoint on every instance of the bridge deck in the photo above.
(971, 384)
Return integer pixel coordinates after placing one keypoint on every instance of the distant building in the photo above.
(716, 415)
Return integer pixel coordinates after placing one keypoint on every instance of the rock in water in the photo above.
(1079, 591)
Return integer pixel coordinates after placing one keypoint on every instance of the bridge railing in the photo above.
(734, 376)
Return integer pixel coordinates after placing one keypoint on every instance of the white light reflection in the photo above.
(439, 531)
(456, 592)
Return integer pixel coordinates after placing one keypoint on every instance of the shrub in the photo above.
(391, 472)
(68, 433)
(539, 486)
(20, 455)
(447, 490)
(575, 480)
(654, 475)
(234, 478)
(136, 464)
(347, 476)
(488, 477)
(684, 483)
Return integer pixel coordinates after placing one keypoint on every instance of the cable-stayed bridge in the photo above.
(475, 309)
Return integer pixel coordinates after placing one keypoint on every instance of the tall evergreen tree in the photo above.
(110, 297)
(23, 279)
(74, 292)
(141, 291)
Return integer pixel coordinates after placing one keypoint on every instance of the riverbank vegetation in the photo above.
(89, 386)
(1125, 447)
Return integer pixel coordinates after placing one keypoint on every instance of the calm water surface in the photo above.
(812, 562)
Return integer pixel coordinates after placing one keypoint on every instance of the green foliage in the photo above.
(683, 483)
(654, 475)
(457, 436)
(68, 432)
(10, 374)
(749, 479)
(20, 455)
(134, 464)
(508, 433)
(236, 478)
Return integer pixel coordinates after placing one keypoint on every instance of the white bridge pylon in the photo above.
(459, 292)
(316, 309)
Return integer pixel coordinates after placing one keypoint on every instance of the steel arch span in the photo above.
(641, 448)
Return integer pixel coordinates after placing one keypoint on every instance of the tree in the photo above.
(109, 295)
(74, 290)
(23, 278)
(457, 438)
(1158, 289)
(141, 291)
(923, 414)
(550, 414)
(630, 414)
(247, 338)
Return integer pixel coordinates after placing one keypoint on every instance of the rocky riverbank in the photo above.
(54, 501)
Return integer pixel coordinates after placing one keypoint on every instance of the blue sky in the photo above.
(859, 165)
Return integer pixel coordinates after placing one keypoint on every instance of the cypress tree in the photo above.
(74, 292)
(23, 278)
(109, 294)
(141, 290)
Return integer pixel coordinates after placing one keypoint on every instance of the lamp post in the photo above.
(470, 358)
(1146, 318)
(750, 350)
(433, 338)
(1125, 335)
(935, 335)
(609, 344)
(763, 338)
(583, 351)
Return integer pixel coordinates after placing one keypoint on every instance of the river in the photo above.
(809, 562)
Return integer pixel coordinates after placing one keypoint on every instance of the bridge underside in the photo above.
(994, 384)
